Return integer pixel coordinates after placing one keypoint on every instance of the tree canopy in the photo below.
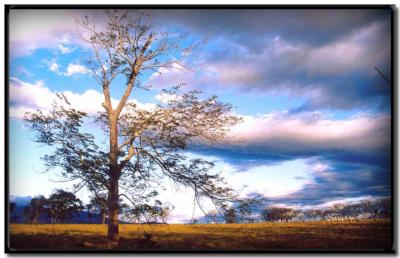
(62, 205)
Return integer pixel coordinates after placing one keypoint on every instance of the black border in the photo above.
(394, 123)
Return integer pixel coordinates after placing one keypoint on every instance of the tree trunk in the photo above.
(34, 218)
(113, 234)
(53, 220)
(88, 216)
(103, 217)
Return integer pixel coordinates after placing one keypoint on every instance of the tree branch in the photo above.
(132, 77)
(383, 76)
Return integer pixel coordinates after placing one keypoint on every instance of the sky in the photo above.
(316, 114)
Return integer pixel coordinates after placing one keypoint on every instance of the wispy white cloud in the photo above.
(75, 69)
(23, 70)
(54, 67)
(64, 49)
(166, 98)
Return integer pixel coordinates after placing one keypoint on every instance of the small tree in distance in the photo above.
(312, 214)
(99, 203)
(62, 205)
(273, 214)
(385, 205)
(370, 207)
(245, 206)
(230, 216)
(37, 206)
(164, 213)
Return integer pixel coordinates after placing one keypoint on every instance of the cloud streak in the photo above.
(287, 132)
(282, 136)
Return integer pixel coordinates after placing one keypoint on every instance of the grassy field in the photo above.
(365, 235)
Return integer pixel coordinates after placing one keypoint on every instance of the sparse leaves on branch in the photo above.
(149, 140)
(75, 152)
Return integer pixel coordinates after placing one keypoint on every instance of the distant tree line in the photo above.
(58, 207)
(242, 212)
(62, 205)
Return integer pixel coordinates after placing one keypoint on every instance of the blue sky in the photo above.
(316, 113)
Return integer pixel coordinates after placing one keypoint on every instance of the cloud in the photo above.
(27, 97)
(347, 158)
(325, 182)
(75, 69)
(31, 95)
(281, 66)
(34, 29)
(71, 69)
(31, 30)
(366, 47)
(329, 204)
(271, 180)
(341, 181)
(279, 136)
(287, 132)
(20, 69)
(308, 53)
(64, 49)
(315, 27)
(166, 98)
(54, 67)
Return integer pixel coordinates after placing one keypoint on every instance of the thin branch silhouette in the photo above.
(384, 77)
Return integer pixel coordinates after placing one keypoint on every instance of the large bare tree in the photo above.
(144, 144)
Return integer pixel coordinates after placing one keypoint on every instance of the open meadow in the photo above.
(346, 236)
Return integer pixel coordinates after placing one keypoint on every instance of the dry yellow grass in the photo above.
(365, 235)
